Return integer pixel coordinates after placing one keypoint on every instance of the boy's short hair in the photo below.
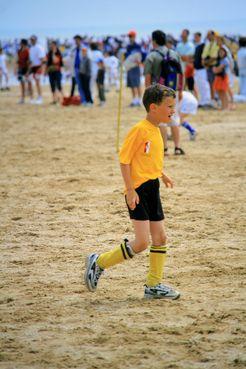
(159, 37)
(155, 94)
(24, 41)
(77, 37)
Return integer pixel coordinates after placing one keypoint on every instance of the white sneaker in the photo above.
(32, 101)
(193, 136)
(21, 101)
(161, 291)
(39, 100)
(92, 272)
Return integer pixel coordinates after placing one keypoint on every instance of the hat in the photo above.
(33, 37)
(132, 33)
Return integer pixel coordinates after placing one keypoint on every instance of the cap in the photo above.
(132, 33)
(33, 37)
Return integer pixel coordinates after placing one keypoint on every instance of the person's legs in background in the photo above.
(80, 88)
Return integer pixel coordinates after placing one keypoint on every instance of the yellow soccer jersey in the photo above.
(143, 149)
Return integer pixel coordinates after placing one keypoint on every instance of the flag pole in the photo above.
(119, 104)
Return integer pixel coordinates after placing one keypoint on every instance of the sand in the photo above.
(61, 198)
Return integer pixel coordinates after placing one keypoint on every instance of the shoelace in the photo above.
(98, 272)
(164, 287)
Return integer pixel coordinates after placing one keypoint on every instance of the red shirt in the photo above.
(23, 58)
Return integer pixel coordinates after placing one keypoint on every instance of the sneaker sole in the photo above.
(154, 297)
(89, 261)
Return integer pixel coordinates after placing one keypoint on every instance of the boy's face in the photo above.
(164, 111)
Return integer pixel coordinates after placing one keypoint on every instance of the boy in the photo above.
(141, 161)
(100, 82)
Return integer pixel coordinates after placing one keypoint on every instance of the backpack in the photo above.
(170, 68)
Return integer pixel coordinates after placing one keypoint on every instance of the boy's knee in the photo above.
(161, 240)
(141, 246)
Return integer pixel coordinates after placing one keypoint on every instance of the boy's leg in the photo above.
(128, 249)
(187, 125)
(157, 257)
(96, 264)
(157, 254)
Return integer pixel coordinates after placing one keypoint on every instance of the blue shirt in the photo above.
(77, 58)
(133, 48)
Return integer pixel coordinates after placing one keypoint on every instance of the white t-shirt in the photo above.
(95, 55)
(111, 62)
(36, 55)
(241, 59)
(3, 62)
(185, 49)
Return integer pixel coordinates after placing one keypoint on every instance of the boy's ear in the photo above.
(152, 107)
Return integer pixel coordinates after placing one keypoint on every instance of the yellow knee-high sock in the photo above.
(157, 257)
(115, 256)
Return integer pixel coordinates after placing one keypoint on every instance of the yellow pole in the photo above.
(119, 104)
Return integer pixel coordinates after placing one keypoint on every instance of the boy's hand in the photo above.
(132, 198)
(167, 181)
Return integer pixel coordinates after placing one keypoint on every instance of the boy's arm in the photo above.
(166, 180)
(131, 195)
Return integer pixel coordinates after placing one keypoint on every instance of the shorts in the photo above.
(55, 81)
(36, 71)
(22, 74)
(188, 104)
(221, 83)
(149, 207)
(190, 83)
(210, 75)
(133, 77)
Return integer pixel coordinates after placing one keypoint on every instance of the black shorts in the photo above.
(22, 72)
(149, 207)
(190, 83)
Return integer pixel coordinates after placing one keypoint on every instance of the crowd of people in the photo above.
(209, 65)
(201, 70)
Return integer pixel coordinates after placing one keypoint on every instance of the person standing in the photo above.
(3, 71)
(221, 43)
(54, 65)
(100, 82)
(152, 72)
(133, 60)
(200, 76)
(186, 50)
(221, 81)
(209, 59)
(37, 64)
(22, 66)
(111, 63)
(241, 60)
(76, 57)
(95, 54)
(85, 76)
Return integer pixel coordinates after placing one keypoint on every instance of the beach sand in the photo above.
(61, 199)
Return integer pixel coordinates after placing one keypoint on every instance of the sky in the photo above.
(61, 18)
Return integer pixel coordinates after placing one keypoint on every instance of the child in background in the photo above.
(3, 71)
(188, 105)
(100, 82)
(221, 81)
(141, 161)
